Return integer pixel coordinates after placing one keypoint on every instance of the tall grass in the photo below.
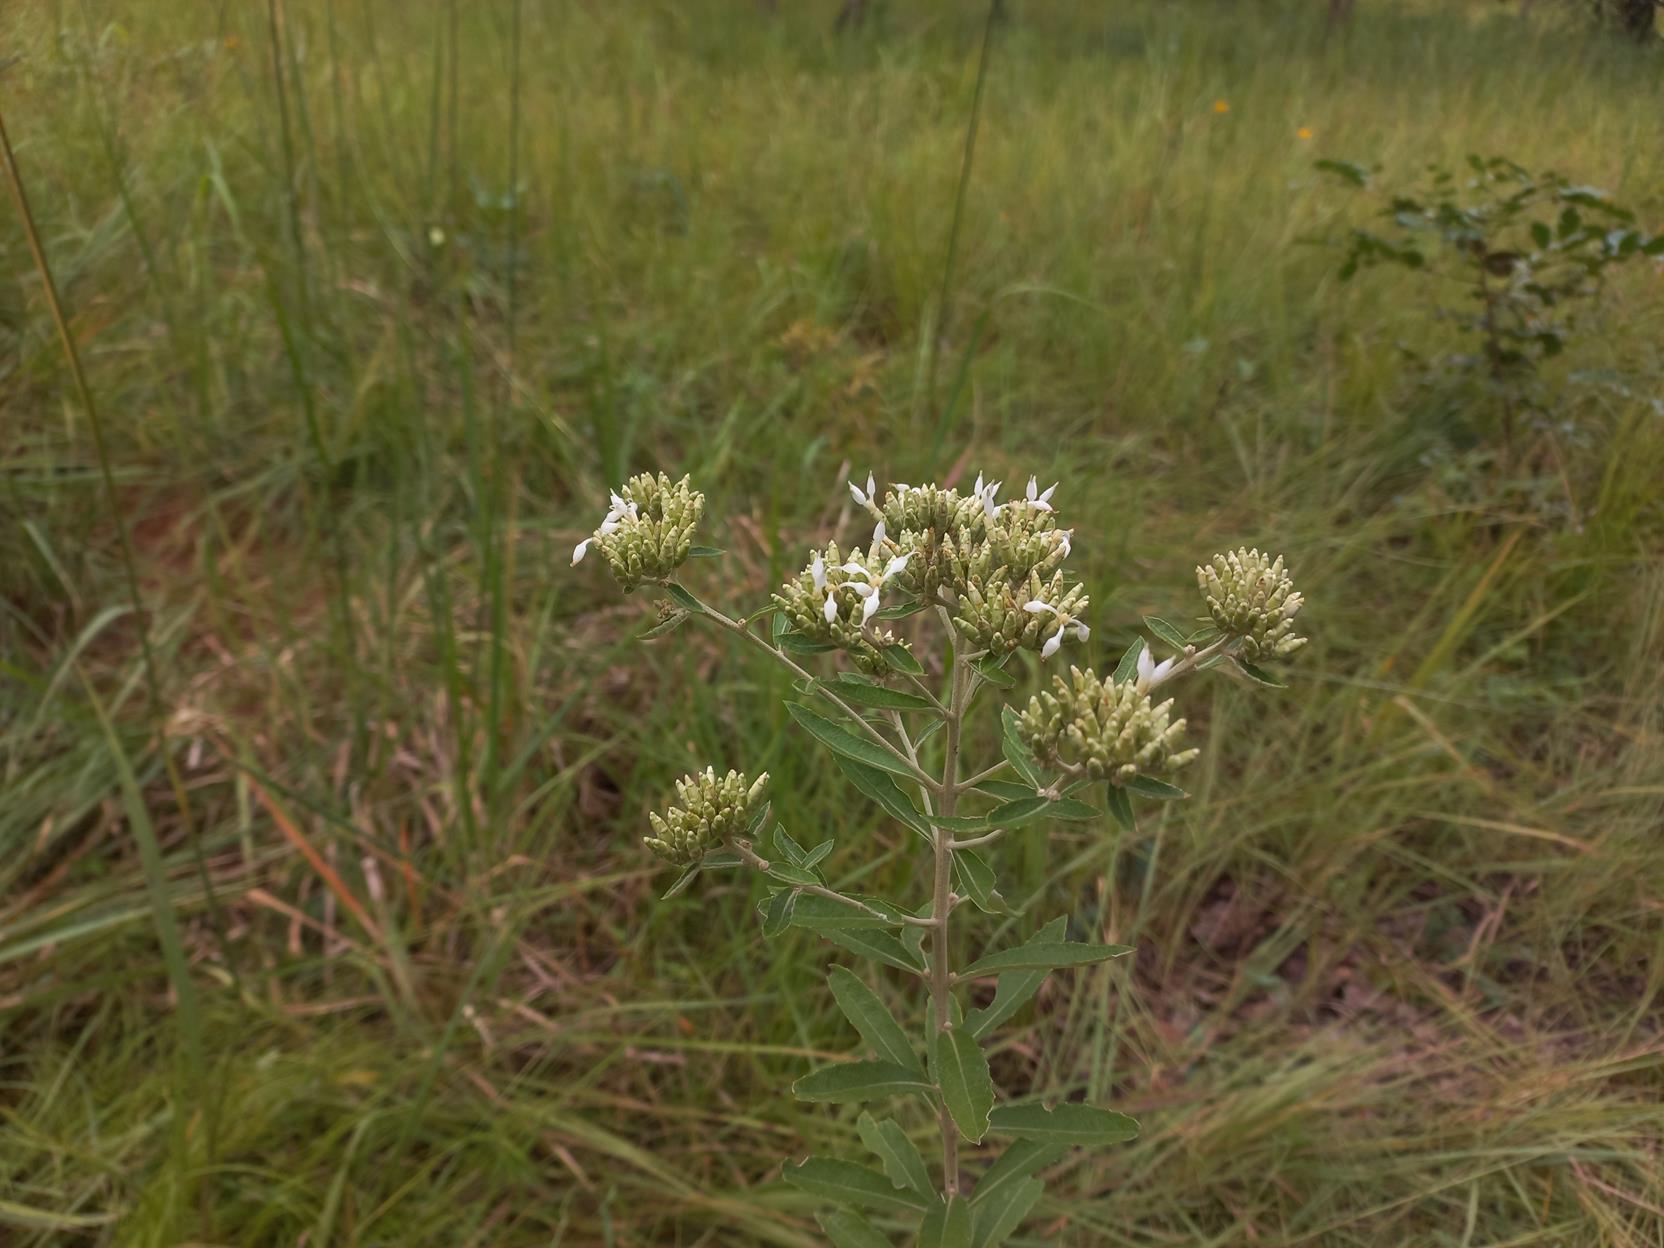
(377, 302)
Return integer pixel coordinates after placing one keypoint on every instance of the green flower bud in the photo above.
(1112, 731)
(710, 811)
(1001, 617)
(835, 601)
(1252, 598)
(648, 531)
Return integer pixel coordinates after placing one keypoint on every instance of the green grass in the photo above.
(367, 367)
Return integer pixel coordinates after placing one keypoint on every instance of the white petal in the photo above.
(855, 569)
(1033, 489)
(861, 588)
(1051, 646)
(872, 487)
(618, 504)
(1146, 665)
(878, 534)
(1082, 631)
(896, 565)
(1160, 674)
(1039, 504)
(869, 608)
(580, 550)
(831, 610)
(855, 493)
(979, 483)
(1035, 607)
(817, 572)
(1046, 494)
(1063, 541)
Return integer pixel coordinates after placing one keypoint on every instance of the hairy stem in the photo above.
(941, 971)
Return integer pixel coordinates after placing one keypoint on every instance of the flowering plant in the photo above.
(990, 577)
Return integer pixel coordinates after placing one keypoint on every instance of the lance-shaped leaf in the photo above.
(902, 660)
(871, 1018)
(1002, 1213)
(1120, 805)
(879, 946)
(1016, 1163)
(1065, 1124)
(859, 1081)
(841, 740)
(977, 881)
(947, 1225)
(1159, 790)
(1259, 675)
(994, 673)
(1072, 809)
(1015, 749)
(822, 914)
(1045, 955)
(899, 1155)
(882, 697)
(669, 624)
(850, 1230)
(802, 877)
(1127, 668)
(1005, 790)
(961, 1071)
(682, 881)
(847, 1183)
(1014, 988)
(778, 914)
(883, 790)
(683, 599)
(1021, 810)
(1166, 632)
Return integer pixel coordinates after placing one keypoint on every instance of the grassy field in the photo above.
(376, 301)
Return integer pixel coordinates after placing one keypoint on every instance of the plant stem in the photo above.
(942, 905)
(753, 859)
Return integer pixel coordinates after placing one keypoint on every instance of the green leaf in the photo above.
(669, 624)
(1010, 814)
(1019, 1160)
(786, 846)
(961, 1071)
(947, 1225)
(818, 854)
(1165, 632)
(977, 881)
(902, 660)
(899, 610)
(721, 859)
(1013, 989)
(1045, 955)
(1160, 790)
(1355, 174)
(880, 696)
(850, 1184)
(879, 946)
(850, 1230)
(1120, 805)
(883, 790)
(860, 1081)
(1003, 1212)
(705, 552)
(823, 915)
(1127, 668)
(1015, 749)
(1066, 1124)
(1259, 675)
(994, 673)
(960, 823)
(868, 1014)
(682, 882)
(842, 741)
(683, 599)
(1005, 790)
(778, 917)
(788, 874)
(1073, 809)
(889, 1143)
(797, 643)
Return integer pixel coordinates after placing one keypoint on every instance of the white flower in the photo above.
(869, 608)
(1069, 625)
(1151, 673)
(580, 550)
(1037, 499)
(817, 572)
(830, 611)
(987, 494)
(895, 566)
(1063, 540)
(878, 534)
(863, 497)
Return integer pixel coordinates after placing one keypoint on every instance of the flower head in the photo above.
(648, 529)
(710, 811)
(1252, 598)
(834, 600)
(1111, 731)
(1151, 673)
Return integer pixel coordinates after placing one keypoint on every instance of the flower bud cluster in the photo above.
(1110, 730)
(648, 530)
(711, 811)
(1000, 617)
(995, 565)
(834, 599)
(1251, 597)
